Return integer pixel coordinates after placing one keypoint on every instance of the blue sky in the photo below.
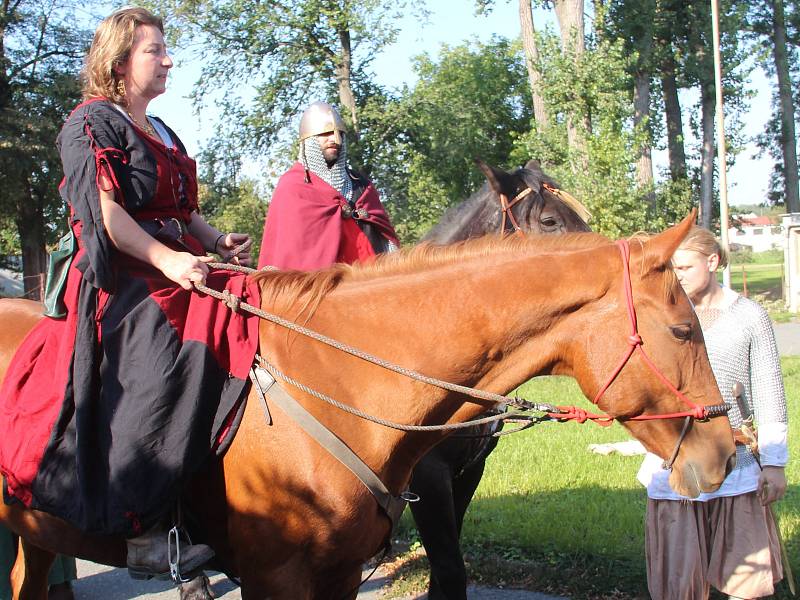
(452, 22)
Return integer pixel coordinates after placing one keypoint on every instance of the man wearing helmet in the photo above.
(322, 212)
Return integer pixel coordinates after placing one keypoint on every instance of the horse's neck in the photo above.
(469, 219)
(485, 324)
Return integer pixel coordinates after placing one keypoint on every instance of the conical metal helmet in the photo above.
(321, 118)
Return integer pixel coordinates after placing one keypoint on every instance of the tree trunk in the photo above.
(707, 156)
(672, 109)
(532, 62)
(570, 22)
(787, 140)
(34, 254)
(342, 72)
(641, 113)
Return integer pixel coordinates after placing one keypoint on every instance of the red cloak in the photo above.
(305, 228)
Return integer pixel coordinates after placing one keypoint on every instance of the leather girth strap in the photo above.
(392, 505)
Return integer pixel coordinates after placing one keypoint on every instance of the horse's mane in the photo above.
(286, 288)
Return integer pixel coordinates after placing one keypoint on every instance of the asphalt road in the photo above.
(99, 582)
(787, 335)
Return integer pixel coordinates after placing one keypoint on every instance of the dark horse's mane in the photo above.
(482, 206)
(287, 288)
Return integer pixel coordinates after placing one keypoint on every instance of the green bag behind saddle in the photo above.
(57, 268)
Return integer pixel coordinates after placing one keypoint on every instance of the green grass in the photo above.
(551, 516)
(762, 279)
(764, 285)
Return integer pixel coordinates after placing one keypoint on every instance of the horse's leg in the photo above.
(341, 584)
(438, 528)
(29, 575)
(197, 588)
(292, 581)
(465, 484)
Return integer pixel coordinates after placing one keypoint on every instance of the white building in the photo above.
(759, 233)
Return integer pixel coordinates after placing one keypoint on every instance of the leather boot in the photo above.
(148, 555)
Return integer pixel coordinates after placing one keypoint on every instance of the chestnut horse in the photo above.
(292, 522)
(446, 478)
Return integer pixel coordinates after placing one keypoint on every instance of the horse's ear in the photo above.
(659, 249)
(533, 165)
(499, 180)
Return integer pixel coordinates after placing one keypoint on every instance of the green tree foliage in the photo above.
(239, 208)
(779, 131)
(598, 85)
(670, 42)
(292, 52)
(40, 54)
(471, 101)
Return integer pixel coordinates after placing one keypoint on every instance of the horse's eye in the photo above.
(682, 331)
(549, 222)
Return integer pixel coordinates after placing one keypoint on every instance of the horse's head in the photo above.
(534, 200)
(672, 343)
(539, 206)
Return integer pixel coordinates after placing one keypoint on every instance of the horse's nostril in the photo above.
(729, 466)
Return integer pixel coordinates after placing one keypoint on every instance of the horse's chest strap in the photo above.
(270, 389)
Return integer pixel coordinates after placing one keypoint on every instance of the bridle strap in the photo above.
(507, 213)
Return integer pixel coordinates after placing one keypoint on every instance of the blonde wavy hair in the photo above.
(703, 241)
(111, 47)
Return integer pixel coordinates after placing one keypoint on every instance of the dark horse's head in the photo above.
(545, 209)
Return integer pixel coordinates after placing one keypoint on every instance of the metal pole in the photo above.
(723, 169)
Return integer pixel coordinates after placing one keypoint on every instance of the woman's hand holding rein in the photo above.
(231, 247)
(184, 268)
(235, 248)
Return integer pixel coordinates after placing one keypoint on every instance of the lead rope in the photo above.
(560, 413)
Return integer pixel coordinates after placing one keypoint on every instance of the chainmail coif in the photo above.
(336, 176)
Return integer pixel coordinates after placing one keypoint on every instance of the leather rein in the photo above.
(507, 212)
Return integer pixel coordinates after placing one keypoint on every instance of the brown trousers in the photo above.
(730, 543)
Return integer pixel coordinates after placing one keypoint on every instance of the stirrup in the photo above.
(174, 536)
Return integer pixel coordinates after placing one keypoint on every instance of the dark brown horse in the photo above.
(446, 478)
(294, 523)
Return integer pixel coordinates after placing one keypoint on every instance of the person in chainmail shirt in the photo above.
(727, 539)
(322, 212)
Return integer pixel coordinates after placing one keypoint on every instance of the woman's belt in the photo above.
(168, 230)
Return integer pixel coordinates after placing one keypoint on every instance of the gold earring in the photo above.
(121, 88)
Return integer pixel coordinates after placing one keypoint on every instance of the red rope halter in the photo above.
(635, 343)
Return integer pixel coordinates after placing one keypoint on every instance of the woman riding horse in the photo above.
(295, 523)
(133, 385)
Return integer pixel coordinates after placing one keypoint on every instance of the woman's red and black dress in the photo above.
(107, 412)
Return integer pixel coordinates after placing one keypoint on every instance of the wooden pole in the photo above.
(744, 282)
(723, 161)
